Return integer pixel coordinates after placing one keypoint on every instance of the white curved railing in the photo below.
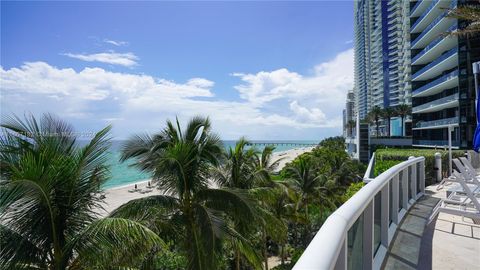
(357, 235)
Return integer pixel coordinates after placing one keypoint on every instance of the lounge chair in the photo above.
(469, 167)
(462, 202)
(468, 175)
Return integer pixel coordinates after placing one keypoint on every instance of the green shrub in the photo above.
(351, 190)
(383, 165)
(399, 155)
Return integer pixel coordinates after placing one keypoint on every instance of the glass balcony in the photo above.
(415, 7)
(433, 43)
(436, 82)
(434, 63)
(437, 123)
(440, 143)
(433, 23)
(429, 8)
(435, 103)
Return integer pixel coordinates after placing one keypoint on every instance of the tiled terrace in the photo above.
(448, 242)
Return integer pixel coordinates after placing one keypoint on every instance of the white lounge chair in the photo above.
(470, 169)
(462, 202)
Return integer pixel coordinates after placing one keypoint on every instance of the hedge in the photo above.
(386, 158)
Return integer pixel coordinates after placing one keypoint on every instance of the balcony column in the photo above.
(385, 215)
(413, 182)
(422, 176)
(404, 188)
(368, 236)
(395, 199)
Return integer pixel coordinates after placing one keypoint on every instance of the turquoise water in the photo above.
(124, 174)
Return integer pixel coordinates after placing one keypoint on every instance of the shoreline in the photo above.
(116, 196)
(276, 155)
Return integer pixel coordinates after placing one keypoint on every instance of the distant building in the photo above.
(442, 78)
(382, 56)
(350, 125)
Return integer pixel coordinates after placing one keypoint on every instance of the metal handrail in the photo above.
(328, 249)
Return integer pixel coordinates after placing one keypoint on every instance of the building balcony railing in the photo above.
(437, 102)
(356, 234)
(429, 8)
(415, 7)
(434, 23)
(436, 82)
(438, 123)
(433, 43)
(435, 143)
(436, 62)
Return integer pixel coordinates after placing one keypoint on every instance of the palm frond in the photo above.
(114, 241)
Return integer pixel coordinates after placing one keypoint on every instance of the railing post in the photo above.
(395, 199)
(404, 188)
(341, 263)
(414, 181)
(385, 215)
(368, 236)
(422, 176)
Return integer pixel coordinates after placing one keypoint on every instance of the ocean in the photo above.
(124, 173)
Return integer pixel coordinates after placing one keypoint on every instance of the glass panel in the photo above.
(391, 211)
(355, 245)
(377, 221)
(400, 191)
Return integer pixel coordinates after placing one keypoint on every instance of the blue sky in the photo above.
(266, 70)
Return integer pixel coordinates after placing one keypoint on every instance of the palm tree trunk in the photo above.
(403, 124)
(388, 126)
(376, 123)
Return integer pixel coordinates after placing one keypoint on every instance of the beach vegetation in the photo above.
(49, 197)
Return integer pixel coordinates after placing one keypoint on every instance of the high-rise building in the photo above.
(443, 91)
(382, 59)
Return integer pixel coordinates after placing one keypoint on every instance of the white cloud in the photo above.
(115, 42)
(328, 83)
(122, 59)
(273, 104)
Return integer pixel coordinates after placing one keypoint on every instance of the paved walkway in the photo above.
(447, 243)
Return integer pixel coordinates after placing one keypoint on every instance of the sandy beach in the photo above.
(114, 197)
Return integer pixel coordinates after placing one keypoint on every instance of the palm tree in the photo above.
(238, 170)
(351, 125)
(310, 185)
(403, 110)
(249, 169)
(374, 116)
(181, 162)
(469, 13)
(388, 113)
(49, 199)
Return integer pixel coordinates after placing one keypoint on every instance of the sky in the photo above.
(264, 70)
